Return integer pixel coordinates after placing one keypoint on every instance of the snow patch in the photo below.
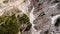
(54, 18)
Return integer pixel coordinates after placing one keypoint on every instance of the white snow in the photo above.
(32, 18)
(54, 18)
(53, 5)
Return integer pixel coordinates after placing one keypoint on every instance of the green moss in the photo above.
(25, 20)
(2, 19)
(10, 25)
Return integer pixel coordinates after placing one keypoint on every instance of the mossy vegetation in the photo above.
(2, 19)
(12, 25)
(57, 22)
(9, 26)
(25, 21)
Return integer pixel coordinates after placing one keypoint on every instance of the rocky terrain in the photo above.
(44, 15)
